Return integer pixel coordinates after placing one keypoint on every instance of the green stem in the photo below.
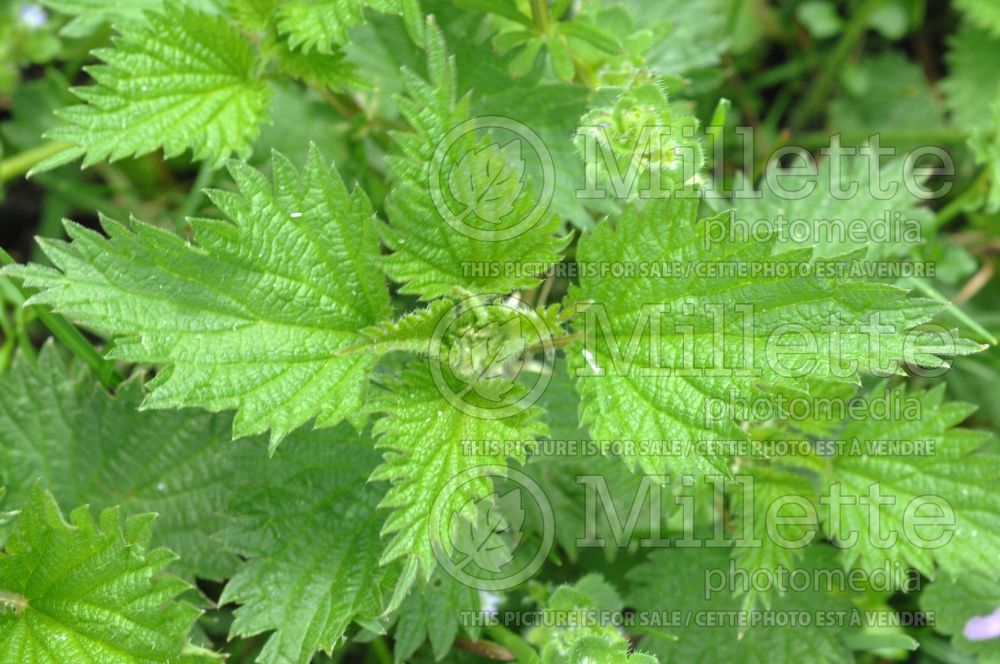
(21, 334)
(6, 354)
(19, 164)
(381, 651)
(540, 15)
(927, 289)
(514, 643)
(9, 339)
(201, 182)
(6, 329)
(820, 91)
(655, 633)
(70, 337)
(783, 73)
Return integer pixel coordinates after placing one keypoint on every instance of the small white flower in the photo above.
(33, 16)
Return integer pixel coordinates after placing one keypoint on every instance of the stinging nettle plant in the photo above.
(449, 348)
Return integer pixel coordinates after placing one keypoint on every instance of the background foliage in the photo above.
(231, 334)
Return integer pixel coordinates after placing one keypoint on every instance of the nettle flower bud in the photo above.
(634, 138)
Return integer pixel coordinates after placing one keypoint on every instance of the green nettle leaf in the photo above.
(322, 25)
(321, 70)
(431, 612)
(834, 222)
(254, 15)
(59, 428)
(892, 91)
(504, 178)
(182, 80)
(490, 529)
(971, 86)
(984, 13)
(973, 96)
(308, 528)
(819, 18)
(251, 318)
(559, 467)
(412, 331)
(407, 410)
(953, 476)
(754, 523)
(677, 354)
(89, 591)
(685, 36)
(985, 146)
(429, 442)
(550, 109)
(89, 15)
(497, 235)
(676, 581)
